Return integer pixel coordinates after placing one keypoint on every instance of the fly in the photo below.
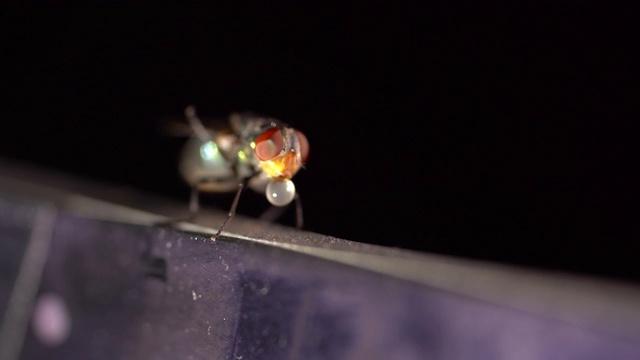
(250, 151)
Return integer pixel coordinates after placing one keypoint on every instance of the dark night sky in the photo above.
(492, 132)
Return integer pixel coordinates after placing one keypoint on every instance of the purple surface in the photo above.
(133, 291)
(136, 292)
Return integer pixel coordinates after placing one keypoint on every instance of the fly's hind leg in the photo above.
(194, 205)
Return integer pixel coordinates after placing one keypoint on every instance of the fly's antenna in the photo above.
(195, 123)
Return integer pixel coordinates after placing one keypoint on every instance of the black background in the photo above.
(492, 132)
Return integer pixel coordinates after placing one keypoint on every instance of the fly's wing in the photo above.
(174, 127)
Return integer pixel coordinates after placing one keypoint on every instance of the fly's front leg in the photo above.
(234, 206)
(274, 212)
(299, 220)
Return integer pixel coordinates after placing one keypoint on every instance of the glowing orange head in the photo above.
(281, 152)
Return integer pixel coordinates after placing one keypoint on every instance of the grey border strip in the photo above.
(16, 321)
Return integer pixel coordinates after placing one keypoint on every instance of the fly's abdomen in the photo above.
(208, 164)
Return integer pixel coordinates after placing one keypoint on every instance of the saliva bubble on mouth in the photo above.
(280, 192)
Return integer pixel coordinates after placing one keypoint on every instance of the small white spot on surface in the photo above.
(51, 320)
(260, 289)
(195, 296)
(282, 341)
(100, 337)
(169, 245)
(146, 327)
(132, 294)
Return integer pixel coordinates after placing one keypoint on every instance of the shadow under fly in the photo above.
(249, 151)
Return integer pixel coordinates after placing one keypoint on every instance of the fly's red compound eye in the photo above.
(269, 144)
(304, 146)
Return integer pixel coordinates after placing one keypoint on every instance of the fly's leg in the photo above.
(234, 206)
(194, 201)
(274, 212)
(194, 205)
(298, 212)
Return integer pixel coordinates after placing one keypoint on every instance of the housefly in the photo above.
(252, 151)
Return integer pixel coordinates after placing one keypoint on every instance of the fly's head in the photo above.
(281, 152)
